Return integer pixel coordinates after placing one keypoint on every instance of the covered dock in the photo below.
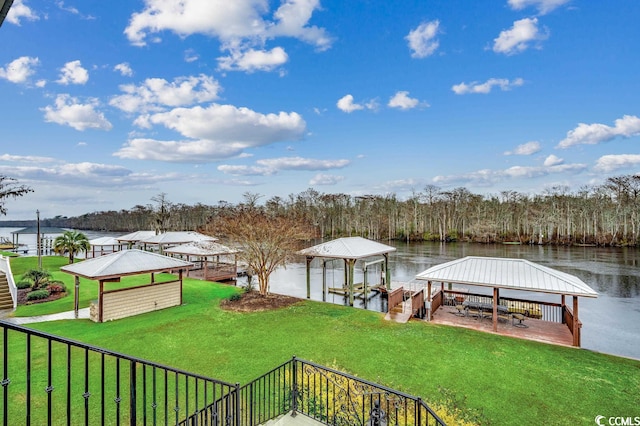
(213, 261)
(508, 274)
(350, 250)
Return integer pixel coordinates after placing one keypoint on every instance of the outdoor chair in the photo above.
(520, 318)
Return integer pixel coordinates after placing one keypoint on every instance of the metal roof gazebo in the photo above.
(105, 245)
(123, 302)
(202, 250)
(511, 274)
(350, 250)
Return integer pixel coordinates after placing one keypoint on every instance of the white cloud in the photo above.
(543, 6)
(26, 159)
(487, 177)
(299, 163)
(41, 83)
(253, 60)
(347, 104)
(73, 73)
(190, 55)
(243, 27)
(291, 20)
(325, 179)
(592, 134)
(124, 69)
(528, 148)
(271, 166)
(552, 160)
(216, 132)
(156, 93)
(519, 37)
(402, 100)
(422, 40)
(246, 170)
(484, 88)
(19, 10)
(19, 70)
(68, 111)
(609, 163)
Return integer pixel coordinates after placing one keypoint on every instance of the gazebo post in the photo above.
(76, 296)
(309, 259)
(180, 278)
(564, 306)
(576, 323)
(496, 296)
(351, 263)
(387, 273)
(324, 280)
(429, 300)
(101, 301)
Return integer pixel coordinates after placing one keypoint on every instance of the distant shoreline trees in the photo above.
(603, 215)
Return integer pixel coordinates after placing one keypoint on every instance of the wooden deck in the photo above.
(214, 275)
(538, 330)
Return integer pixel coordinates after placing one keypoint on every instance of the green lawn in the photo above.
(493, 379)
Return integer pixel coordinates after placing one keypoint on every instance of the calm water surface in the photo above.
(611, 323)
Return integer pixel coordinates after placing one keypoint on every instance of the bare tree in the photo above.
(9, 188)
(162, 213)
(266, 239)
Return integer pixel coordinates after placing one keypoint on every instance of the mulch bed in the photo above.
(22, 297)
(254, 302)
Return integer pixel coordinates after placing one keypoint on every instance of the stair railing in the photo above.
(5, 267)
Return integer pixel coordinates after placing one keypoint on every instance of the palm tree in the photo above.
(71, 242)
(39, 278)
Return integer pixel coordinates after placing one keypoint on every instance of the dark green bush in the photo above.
(38, 295)
(235, 297)
(23, 284)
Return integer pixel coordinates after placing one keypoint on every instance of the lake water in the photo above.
(611, 323)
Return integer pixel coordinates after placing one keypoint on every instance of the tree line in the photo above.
(601, 215)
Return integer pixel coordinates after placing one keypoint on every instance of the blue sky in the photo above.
(105, 107)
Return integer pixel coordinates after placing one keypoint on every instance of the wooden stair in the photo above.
(6, 301)
(401, 313)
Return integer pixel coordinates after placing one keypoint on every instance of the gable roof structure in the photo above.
(177, 237)
(507, 273)
(136, 236)
(201, 248)
(123, 263)
(348, 248)
(106, 241)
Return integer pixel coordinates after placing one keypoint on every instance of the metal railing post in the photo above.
(132, 393)
(294, 387)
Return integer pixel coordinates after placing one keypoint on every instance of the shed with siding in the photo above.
(124, 302)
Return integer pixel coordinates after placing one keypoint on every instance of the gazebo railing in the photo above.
(546, 311)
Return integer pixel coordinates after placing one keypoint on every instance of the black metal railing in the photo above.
(546, 311)
(330, 397)
(48, 380)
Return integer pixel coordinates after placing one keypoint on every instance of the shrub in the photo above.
(38, 295)
(23, 284)
(235, 297)
(56, 288)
